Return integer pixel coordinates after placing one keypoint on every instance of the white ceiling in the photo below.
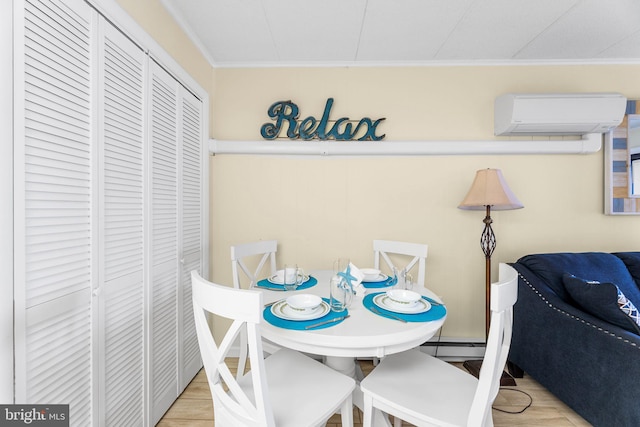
(259, 33)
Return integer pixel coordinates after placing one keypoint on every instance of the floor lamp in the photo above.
(488, 191)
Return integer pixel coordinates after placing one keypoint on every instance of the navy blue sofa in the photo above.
(591, 364)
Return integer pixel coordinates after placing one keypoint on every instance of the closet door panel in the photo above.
(192, 228)
(109, 160)
(55, 188)
(121, 347)
(164, 242)
(57, 153)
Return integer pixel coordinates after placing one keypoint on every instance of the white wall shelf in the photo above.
(590, 143)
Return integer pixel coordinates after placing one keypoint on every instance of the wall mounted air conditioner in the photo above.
(557, 114)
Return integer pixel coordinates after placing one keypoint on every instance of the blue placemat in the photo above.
(389, 281)
(301, 324)
(436, 312)
(265, 283)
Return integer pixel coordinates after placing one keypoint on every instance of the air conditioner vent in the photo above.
(558, 114)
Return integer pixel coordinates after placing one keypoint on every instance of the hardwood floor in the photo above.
(194, 407)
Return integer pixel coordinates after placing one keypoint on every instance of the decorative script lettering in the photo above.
(286, 114)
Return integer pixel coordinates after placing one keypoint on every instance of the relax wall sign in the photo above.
(286, 115)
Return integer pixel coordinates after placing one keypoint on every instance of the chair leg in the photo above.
(367, 416)
(346, 413)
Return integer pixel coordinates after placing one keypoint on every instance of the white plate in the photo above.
(277, 281)
(383, 301)
(380, 278)
(282, 310)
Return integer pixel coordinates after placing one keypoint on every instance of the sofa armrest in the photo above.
(576, 356)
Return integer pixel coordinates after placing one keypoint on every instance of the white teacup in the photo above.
(287, 274)
(279, 277)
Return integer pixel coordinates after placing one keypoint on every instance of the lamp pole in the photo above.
(488, 244)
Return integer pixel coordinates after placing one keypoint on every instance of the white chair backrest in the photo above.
(244, 307)
(417, 253)
(504, 294)
(266, 248)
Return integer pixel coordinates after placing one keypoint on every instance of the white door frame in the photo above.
(6, 195)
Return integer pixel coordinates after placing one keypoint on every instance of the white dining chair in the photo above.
(426, 391)
(287, 389)
(413, 252)
(243, 255)
(240, 255)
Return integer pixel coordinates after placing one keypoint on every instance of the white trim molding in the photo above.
(6, 195)
(589, 143)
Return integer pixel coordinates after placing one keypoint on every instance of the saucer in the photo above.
(381, 278)
(282, 310)
(384, 302)
(278, 281)
(370, 274)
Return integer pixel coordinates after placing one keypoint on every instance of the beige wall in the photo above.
(322, 208)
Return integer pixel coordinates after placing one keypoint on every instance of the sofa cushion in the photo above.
(603, 300)
(632, 261)
(599, 266)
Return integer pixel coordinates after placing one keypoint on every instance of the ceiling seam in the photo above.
(617, 42)
(540, 33)
(364, 18)
(273, 40)
(444, 42)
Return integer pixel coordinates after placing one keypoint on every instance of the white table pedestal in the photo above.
(349, 366)
(345, 365)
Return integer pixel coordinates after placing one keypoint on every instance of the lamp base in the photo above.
(473, 367)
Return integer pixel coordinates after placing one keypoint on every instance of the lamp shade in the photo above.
(490, 189)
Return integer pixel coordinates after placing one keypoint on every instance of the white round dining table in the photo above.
(363, 335)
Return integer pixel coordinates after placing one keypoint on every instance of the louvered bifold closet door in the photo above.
(192, 228)
(121, 295)
(55, 226)
(163, 293)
